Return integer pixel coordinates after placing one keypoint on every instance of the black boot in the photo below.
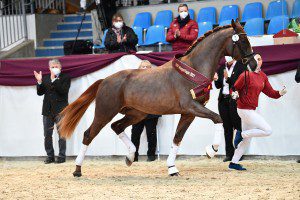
(49, 160)
(60, 160)
(227, 158)
(151, 158)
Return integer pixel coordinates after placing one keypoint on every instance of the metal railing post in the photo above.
(24, 20)
(64, 7)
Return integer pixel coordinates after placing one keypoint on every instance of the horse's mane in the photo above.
(196, 42)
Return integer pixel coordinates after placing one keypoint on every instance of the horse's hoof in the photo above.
(128, 162)
(208, 156)
(77, 174)
(175, 174)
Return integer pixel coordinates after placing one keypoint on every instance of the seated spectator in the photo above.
(120, 38)
(183, 30)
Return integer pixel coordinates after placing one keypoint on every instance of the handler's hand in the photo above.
(283, 91)
(235, 95)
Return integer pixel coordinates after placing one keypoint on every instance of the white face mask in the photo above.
(55, 71)
(183, 14)
(118, 24)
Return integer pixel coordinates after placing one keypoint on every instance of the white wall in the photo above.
(21, 129)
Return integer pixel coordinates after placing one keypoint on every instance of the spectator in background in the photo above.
(183, 30)
(149, 123)
(55, 88)
(120, 38)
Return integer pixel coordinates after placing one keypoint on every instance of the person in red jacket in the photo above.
(253, 125)
(183, 30)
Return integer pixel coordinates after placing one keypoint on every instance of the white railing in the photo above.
(12, 23)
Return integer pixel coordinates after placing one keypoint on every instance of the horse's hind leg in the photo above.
(102, 117)
(183, 125)
(131, 117)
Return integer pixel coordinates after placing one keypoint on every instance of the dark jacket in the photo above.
(113, 46)
(239, 68)
(56, 94)
(297, 77)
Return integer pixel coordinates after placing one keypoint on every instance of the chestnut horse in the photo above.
(159, 91)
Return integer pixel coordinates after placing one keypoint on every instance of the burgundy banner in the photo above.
(19, 72)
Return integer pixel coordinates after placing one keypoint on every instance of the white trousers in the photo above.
(253, 125)
(83, 4)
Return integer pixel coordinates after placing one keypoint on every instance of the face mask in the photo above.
(228, 59)
(55, 71)
(118, 24)
(183, 14)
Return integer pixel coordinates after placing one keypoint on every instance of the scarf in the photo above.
(183, 22)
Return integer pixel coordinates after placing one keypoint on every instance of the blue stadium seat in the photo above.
(277, 24)
(164, 18)
(192, 14)
(226, 22)
(255, 27)
(252, 10)
(155, 34)
(142, 20)
(204, 27)
(139, 32)
(277, 8)
(296, 9)
(228, 13)
(207, 14)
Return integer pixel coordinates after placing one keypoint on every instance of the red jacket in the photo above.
(188, 34)
(257, 83)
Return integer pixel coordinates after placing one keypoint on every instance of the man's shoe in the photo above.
(49, 160)
(238, 138)
(227, 158)
(234, 166)
(60, 160)
(298, 161)
(151, 158)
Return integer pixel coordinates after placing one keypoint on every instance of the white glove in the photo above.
(283, 91)
(235, 95)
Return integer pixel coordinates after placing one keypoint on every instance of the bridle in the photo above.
(245, 57)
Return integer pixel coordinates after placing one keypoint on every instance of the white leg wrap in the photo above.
(172, 155)
(130, 146)
(172, 170)
(81, 155)
(219, 132)
(210, 152)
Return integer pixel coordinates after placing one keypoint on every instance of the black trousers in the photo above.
(231, 120)
(137, 130)
(48, 122)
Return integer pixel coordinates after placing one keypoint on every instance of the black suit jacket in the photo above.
(239, 68)
(56, 94)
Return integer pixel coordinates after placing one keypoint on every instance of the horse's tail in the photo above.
(71, 115)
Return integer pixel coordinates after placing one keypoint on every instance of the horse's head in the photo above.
(238, 46)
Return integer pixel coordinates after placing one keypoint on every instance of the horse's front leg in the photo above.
(184, 123)
(200, 111)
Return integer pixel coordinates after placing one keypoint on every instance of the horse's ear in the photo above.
(237, 21)
(233, 24)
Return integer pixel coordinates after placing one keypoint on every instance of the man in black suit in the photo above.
(55, 87)
(224, 80)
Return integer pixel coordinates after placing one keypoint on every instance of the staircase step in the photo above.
(60, 41)
(77, 18)
(49, 51)
(71, 33)
(73, 25)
